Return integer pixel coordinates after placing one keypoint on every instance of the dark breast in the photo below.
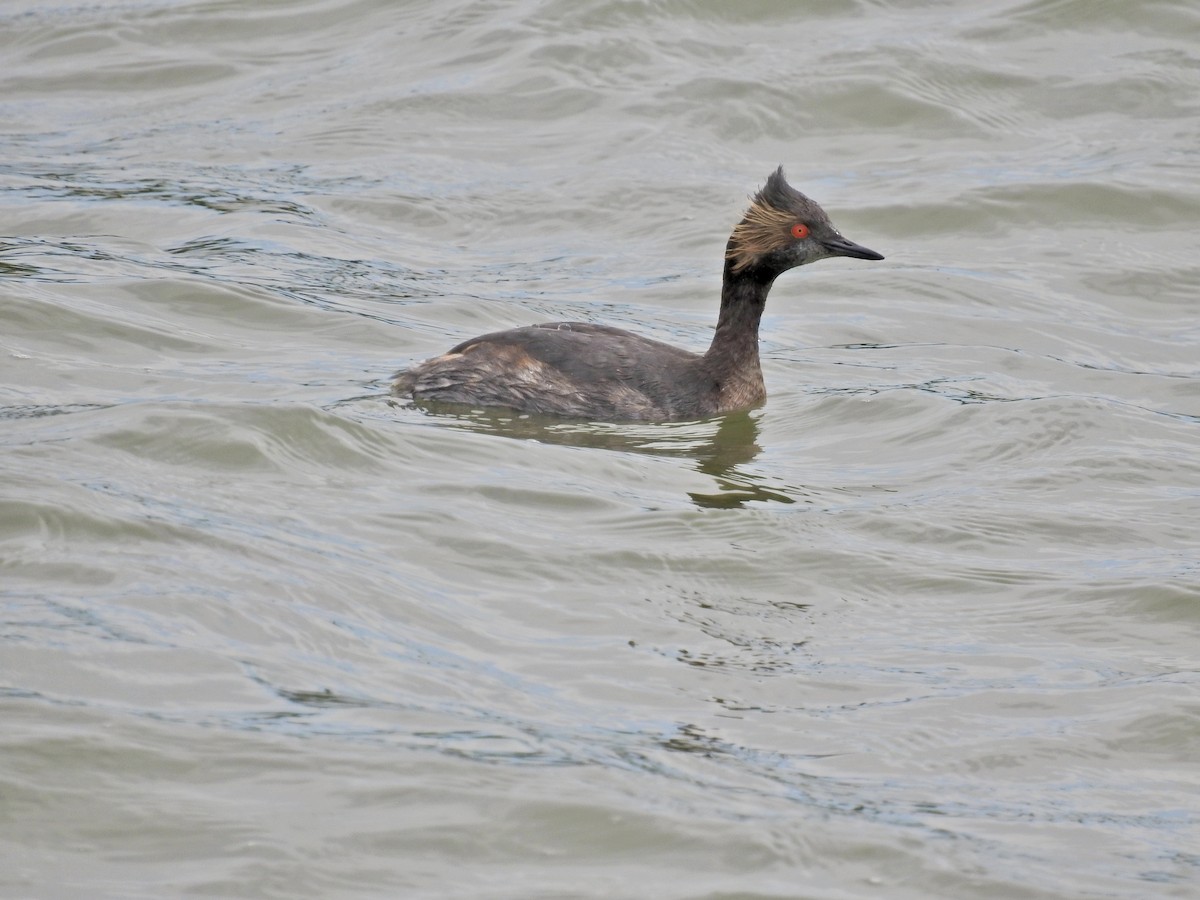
(569, 369)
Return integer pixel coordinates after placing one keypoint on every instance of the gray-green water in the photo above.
(925, 625)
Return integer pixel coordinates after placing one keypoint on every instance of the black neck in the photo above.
(743, 298)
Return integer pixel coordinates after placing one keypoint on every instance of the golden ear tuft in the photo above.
(763, 229)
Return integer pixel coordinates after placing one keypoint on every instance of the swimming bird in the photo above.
(586, 371)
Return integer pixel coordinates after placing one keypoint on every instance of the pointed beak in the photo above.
(840, 246)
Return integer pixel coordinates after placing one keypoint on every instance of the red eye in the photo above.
(800, 231)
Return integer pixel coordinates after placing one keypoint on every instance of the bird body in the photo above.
(582, 370)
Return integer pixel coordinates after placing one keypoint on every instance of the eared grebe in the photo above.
(598, 372)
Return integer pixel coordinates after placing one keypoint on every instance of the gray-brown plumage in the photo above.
(598, 372)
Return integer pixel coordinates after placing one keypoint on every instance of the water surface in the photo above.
(924, 625)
